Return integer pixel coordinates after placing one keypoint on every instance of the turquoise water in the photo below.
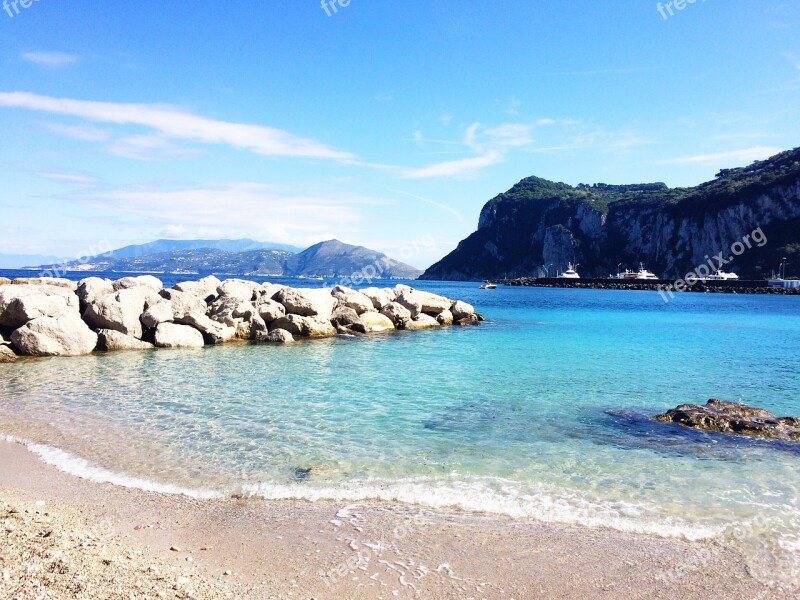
(539, 413)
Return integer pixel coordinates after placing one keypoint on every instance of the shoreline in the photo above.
(298, 549)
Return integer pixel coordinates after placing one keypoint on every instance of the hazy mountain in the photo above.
(540, 223)
(328, 259)
(162, 246)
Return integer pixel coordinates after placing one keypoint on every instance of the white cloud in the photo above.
(174, 231)
(177, 124)
(489, 145)
(747, 155)
(239, 209)
(83, 133)
(72, 179)
(50, 59)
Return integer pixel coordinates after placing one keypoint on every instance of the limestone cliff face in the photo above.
(540, 226)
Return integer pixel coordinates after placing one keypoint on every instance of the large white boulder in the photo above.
(93, 288)
(184, 303)
(66, 335)
(269, 310)
(231, 310)
(121, 311)
(244, 291)
(304, 326)
(462, 310)
(380, 297)
(160, 312)
(205, 288)
(359, 302)
(431, 304)
(111, 340)
(21, 303)
(170, 335)
(307, 302)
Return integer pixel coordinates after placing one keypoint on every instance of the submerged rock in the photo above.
(733, 418)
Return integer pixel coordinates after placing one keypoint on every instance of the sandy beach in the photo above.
(63, 537)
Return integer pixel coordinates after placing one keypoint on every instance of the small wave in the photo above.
(500, 499)
(83, 469)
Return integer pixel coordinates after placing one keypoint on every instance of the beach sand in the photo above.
(64, 537)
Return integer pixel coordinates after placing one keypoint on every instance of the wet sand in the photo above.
(63, 537)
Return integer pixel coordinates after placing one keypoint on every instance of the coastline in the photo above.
(288, 549)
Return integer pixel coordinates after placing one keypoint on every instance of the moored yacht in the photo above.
(570, 273)
(642, 273)
(721, 275)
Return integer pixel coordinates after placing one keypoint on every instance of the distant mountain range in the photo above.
(538, 227)
(332, 259)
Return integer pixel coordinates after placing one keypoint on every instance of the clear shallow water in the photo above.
(539, 413)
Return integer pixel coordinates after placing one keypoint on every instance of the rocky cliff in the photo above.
(539, 226)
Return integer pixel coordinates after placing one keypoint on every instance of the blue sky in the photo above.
(387, 124)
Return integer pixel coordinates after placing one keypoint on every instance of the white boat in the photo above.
(570, 273)
(488, 286)
(642, 273)
(721, 275)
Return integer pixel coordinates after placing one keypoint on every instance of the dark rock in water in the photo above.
(732, 418)
(302, 473)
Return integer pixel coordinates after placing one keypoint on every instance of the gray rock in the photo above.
(111, 340)
(15, 316)
(461, 310)
(27, 308)
(5, 281)
(359, 302)
(270, 290)
(269, 310)
(160, 312)
(379, 297)
(304, 326)
(214, 332)
(732, 418)
(231, 311)
(468, 321)
(397, 314)
(249, 329)
(66, 335)
(276, 336)
(344, 316)
(205, 288)
(431, 304)
(170, 335)
(184, 303)
(120, 311)
(244, 291)
(93, 288)
(307, 302)
(154, 283)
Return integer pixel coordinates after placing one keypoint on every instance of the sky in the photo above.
(381, 123)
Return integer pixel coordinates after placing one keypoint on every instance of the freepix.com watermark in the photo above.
(101, 249)
(667, 9)
(331, 7)
(714, 264)
(12, 6)
(376, 269)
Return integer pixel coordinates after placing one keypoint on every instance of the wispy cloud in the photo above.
(50, 59)
(77, 132)
(444, 207)
(174, 123)
(75, 179)
(489, 145)
(262, 211)
(747, 155)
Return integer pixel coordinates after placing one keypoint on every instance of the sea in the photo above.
(541, 413)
